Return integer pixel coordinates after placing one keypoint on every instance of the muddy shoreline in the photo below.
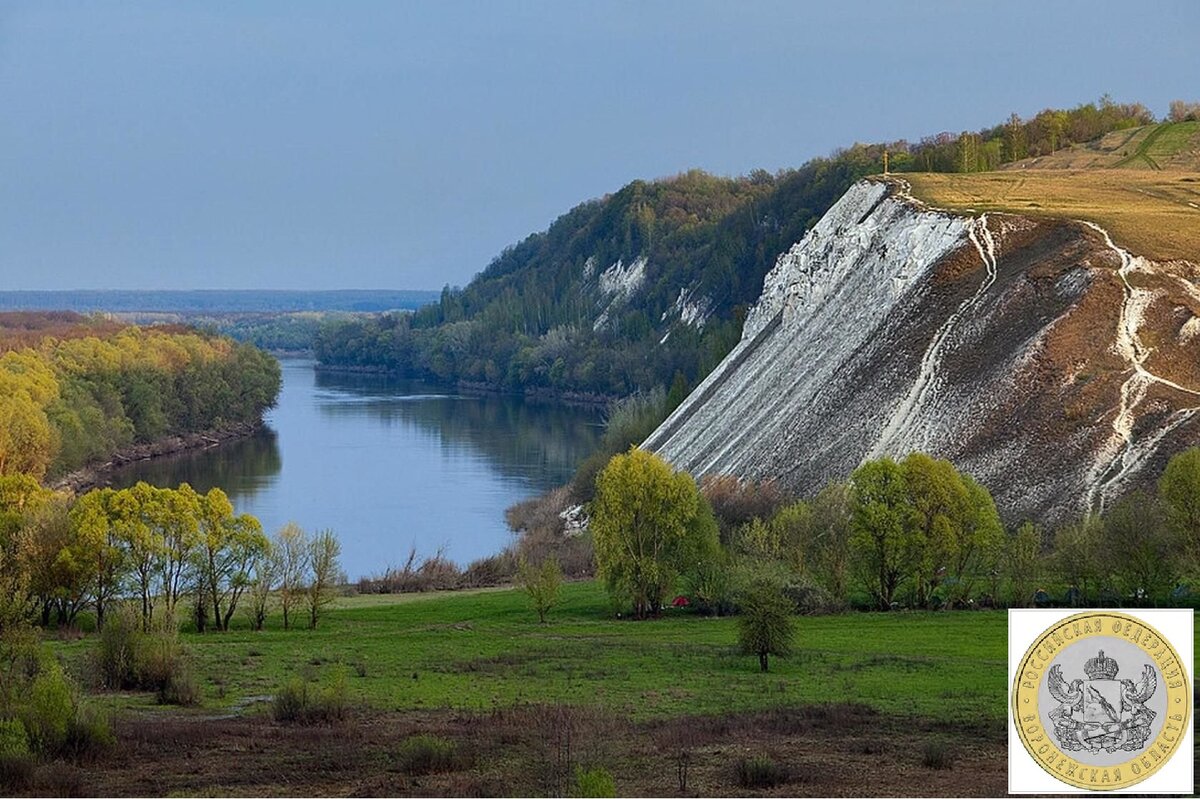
(98, 475)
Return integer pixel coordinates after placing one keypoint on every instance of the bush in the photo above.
(811, 599)
(50, 711)
(130, 658)
(541, 583)
(426, 754)
(710, 586)
(595, 782)
(89, 734)
(298, 702)
(765, 625)
(14, 743)
(16, 772)
(116, 664)
(179, 686)
(492, 570)
(760, 771)
(936, 755)
(737, 502)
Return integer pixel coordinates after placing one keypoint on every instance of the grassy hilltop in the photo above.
(1151, 213)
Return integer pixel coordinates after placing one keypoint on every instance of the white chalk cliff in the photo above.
(1020, 349)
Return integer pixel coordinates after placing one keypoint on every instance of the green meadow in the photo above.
(484, 649)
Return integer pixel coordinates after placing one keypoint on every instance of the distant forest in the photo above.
(215, 301)
(75, 390)
(575, 311)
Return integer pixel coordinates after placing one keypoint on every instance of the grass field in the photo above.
(1151, 213)
(485, 649)
(869, 704)
(1166, 145)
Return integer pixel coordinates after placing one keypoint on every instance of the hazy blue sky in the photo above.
(402, 145)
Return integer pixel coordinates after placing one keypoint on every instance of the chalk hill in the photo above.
(1033, 351)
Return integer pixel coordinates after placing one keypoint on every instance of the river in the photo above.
(388, 464)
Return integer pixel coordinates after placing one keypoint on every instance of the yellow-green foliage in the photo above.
(14, 742)
(594, 782)
(649, 523)
(51, 708)
(68, 401)
(919, 523)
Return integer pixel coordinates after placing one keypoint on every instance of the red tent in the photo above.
(680, 602)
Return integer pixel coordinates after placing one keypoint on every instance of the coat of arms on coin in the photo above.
(1101, 700)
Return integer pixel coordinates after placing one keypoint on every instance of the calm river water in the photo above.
(388, 464)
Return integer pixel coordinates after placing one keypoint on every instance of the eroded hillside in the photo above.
(1034, 352)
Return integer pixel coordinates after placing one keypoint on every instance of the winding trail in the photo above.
(900, 424)
(1111, 469)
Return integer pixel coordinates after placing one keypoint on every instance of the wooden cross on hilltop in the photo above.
(885, 164)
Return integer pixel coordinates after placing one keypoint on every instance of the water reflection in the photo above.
(390, 464)
(242, 467)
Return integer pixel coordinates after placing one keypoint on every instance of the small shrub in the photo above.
(765, 625)
(492, 570)
(541, 583)
(50, 710)
(116, 658)
(291, 701)
(299, 702)
(360, 668)
(760, 771)
(935, 754)
(16, 772)
(426, 754)
(594, 782)
(13, 740)
(88, 735)
(180, 686)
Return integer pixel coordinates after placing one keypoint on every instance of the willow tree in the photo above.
(649, 523)
(230, 546)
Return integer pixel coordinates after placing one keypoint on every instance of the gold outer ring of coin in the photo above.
(1038, 741)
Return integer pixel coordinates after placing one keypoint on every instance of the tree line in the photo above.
(914, 533)
(536, 318)
(176, 554)
(80, 395)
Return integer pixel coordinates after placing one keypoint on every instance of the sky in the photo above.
(404, 144)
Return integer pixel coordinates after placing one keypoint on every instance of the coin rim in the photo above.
(1016, 695)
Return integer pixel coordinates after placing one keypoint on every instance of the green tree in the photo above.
(977, 540)
(324, 550)
(541, 583)
(292, 548)
(266, 578)
(1179, 489)
(765, 625)
(1024, 563)
(1077, 557)
(99, 547)
(829, 547)
(880, 523)
(938, 507)
(1139, 552)
(648, 524)
(230, 546)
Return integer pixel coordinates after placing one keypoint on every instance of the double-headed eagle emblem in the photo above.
(1102, 713)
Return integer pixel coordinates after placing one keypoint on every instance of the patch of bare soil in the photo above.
(825, 750)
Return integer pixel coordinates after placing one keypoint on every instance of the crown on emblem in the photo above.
(1101, 668)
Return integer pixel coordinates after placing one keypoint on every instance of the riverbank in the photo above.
(540, 393)
(97, 475)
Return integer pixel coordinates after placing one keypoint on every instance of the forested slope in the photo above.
(75, 389)
(648, 286)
